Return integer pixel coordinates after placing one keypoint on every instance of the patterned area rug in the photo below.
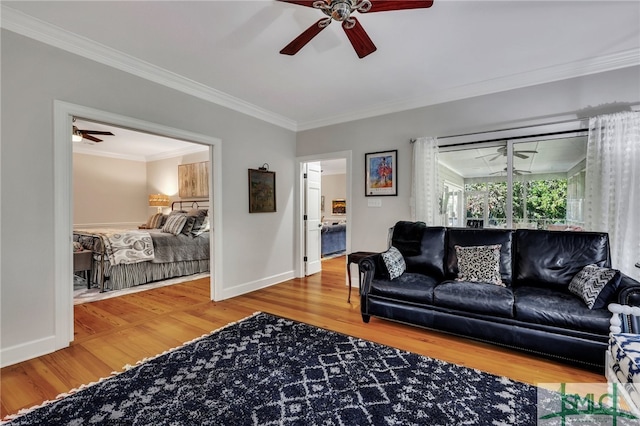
(267, 370)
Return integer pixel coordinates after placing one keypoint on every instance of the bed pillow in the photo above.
(204, 228)
(188, 225)
(155, 221)
(479, 264)
(175, 223)
(199, 217)
(595, 285)
(394, 262)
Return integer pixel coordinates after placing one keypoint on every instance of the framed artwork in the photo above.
(193, 180)
(338, 207)
(262, 191)
(381, 171)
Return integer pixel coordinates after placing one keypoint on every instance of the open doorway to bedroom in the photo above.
(64, 113)
(126, 183)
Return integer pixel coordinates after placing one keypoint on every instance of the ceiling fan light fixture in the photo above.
(76, 136)
(340, 11)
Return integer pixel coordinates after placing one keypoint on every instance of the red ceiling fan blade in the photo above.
(386, 5)
(308, 3)
(304, 38)
(359, 38)
(91, 138)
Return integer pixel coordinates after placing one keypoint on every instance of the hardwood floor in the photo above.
(115, 332)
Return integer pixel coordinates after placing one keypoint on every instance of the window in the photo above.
(533, 183)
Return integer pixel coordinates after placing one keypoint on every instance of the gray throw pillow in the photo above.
(595, 285)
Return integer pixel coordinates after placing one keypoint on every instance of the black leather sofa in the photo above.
(534, 312)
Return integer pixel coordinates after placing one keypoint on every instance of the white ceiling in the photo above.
(227, 51)
(131, 145)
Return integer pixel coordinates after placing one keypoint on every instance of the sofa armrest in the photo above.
(628, 292)
(367, 267)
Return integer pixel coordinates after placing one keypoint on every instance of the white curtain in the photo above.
(425, 183)
(612, 187)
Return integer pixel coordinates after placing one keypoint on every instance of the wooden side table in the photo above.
(356, 257)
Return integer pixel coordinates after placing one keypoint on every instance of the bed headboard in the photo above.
(190, 204)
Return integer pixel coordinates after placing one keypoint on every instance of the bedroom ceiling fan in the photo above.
(502, 152)
(79, 134)
(341, 10)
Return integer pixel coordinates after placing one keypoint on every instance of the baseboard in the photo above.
(23, 352)
(241, 289)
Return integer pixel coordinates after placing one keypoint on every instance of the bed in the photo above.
(334, 239)
(167, 246)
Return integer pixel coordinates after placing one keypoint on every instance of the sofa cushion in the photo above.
(474, 297)
(394, 262)
(430, 260)
(410, 287)
(465, 237)
(558, 308)
(407, 237)
(479, 264)
(553, 258)
(595, 285)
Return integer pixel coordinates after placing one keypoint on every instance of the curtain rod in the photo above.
(632, 107)
(412, 140)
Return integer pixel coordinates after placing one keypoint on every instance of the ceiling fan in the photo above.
(341, 10)
(502, 152)
(515, 172)
(79, 134)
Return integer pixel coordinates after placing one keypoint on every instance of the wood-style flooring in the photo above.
(112, 333)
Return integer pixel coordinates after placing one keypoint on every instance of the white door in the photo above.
(312, 218)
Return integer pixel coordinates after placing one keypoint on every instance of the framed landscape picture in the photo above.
(262, 191)
(381, 171)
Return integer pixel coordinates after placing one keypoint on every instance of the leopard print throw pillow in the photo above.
(479, 264)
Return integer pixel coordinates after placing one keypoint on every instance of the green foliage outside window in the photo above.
(545, 199)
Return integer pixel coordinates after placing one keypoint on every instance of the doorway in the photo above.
(345, 158)
(63, 124)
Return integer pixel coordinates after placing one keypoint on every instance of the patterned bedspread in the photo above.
(125, 246)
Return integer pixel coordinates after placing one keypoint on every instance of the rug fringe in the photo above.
(125, 368)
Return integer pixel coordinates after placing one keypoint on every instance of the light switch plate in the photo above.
(374, 202)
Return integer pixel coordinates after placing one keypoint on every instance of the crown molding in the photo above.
(624, 59)
(87, 149)
(44, 32)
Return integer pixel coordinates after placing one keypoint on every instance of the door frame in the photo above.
(299, 202)
(63, 202)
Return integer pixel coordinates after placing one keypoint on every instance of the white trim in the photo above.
(299, 202)
(256, 285)
(62, 211)
(45, 32)
(619, 60)
(88, 150)
(35, 348)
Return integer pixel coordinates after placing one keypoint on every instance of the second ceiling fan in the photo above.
(341, 10)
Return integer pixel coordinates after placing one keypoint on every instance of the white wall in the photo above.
(565, 99)
(334, 187)
(108, 191)
(258, 248)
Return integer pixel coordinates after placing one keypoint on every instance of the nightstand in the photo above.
(82, 263)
